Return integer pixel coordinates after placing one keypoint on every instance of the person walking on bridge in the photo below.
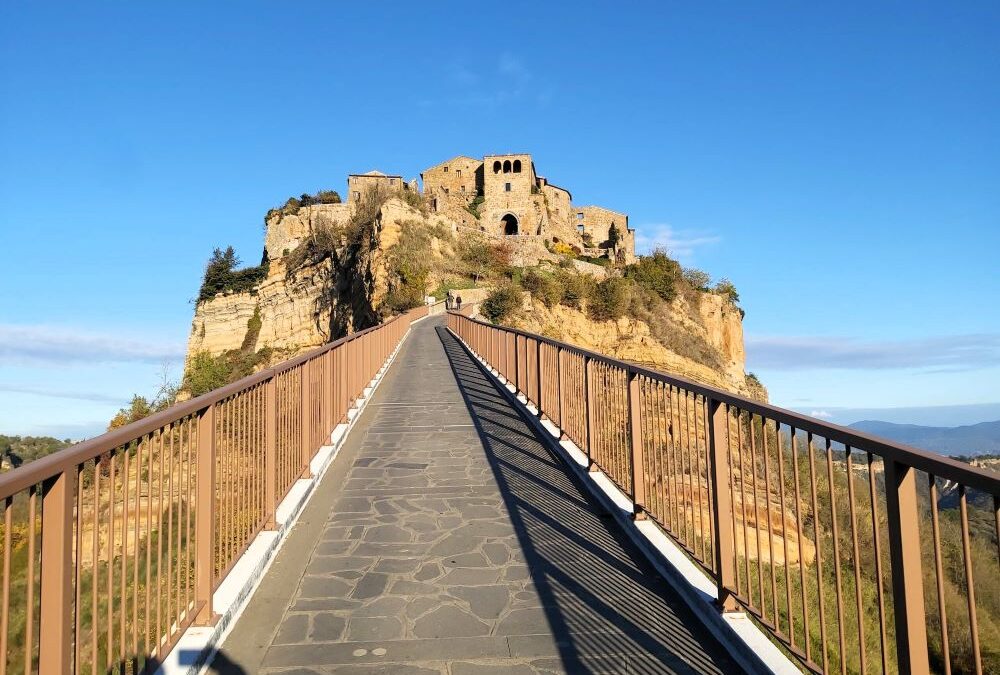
(458, 303)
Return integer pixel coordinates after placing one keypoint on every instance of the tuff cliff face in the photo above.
(704, 341)
(332, 269)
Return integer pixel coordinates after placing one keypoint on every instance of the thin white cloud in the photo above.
(63, 345)
(821, 414)
(681, 244)
(463, 76)
(513, 67)
(492, 86)
(94, 396)
(942, 353)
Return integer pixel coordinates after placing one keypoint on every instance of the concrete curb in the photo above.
(736, 632)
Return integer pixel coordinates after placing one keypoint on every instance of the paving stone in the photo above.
(449, 620)
(467, 560)
(405, 587)
(370, 586)
(387, 534)
(486, 602)
(427, 572)
(374, 628)
(470, 577)
(386, 605)
(327, 627)
(323, 587)
(396, 565)
(294, 628)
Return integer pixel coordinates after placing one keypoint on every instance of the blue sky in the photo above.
(838, 163)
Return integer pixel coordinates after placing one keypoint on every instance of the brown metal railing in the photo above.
(856, 554)
(112, 547)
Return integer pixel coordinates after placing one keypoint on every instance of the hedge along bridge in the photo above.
(850, 552)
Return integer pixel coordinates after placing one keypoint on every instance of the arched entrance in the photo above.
(509, 224)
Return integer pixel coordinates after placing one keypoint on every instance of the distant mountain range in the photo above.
(973, 439)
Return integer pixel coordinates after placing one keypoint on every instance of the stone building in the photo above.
(502, 195)
(594, 223)
(359, 183)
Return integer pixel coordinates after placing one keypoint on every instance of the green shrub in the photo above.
(361, 227)
(328, 197)
(543, 285)
(727, 289)
(657, 273)
(697, 279)
(206, 372)
(221, 275)
(602, 260)
(473, 206)
(502, 303)
(254, 324)
(414, 199)
(409, 263)
(481, 258)
(576, 287)
(609, 299)
(614, 236)
(451, 284)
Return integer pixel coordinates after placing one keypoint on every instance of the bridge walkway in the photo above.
(446, 538)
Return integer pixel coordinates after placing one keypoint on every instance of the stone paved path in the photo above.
(447, 539)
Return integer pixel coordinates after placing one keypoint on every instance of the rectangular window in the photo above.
(579, 216)
(458, 172)
(463, 188)
(446, 169)
(392, 181)
(357, 195)
(506, 187)
(580, 227)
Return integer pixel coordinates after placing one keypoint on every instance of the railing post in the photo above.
(635, 435)
(589, 413)
(55, 628)
(538, 378)
(562, 396)
(517, 364)
(903, 514)
(270, 451)
(329, 418)
(718, 449)
(305, 421)
(204, 584)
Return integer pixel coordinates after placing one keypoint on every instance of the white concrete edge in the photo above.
(740, 636)
(198, 645)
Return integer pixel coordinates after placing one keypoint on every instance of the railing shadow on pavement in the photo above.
(601, 598)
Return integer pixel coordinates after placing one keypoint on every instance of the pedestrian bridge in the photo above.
(440, 495)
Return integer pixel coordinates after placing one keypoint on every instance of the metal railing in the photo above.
(113, 547)
(856, 554)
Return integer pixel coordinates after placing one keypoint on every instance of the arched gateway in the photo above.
(509, 224)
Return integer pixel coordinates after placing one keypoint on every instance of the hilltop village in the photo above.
(489, 228)
(499, 196)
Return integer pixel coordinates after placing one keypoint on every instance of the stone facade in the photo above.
(593, 223)
(359, 183)
(502, 195)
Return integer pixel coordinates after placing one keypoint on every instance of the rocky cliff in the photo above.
(701, 338)
(333, 268)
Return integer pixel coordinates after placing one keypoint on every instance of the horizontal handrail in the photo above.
(924, 460)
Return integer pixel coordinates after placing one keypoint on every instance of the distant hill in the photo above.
(18, 450)
(973, 439)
